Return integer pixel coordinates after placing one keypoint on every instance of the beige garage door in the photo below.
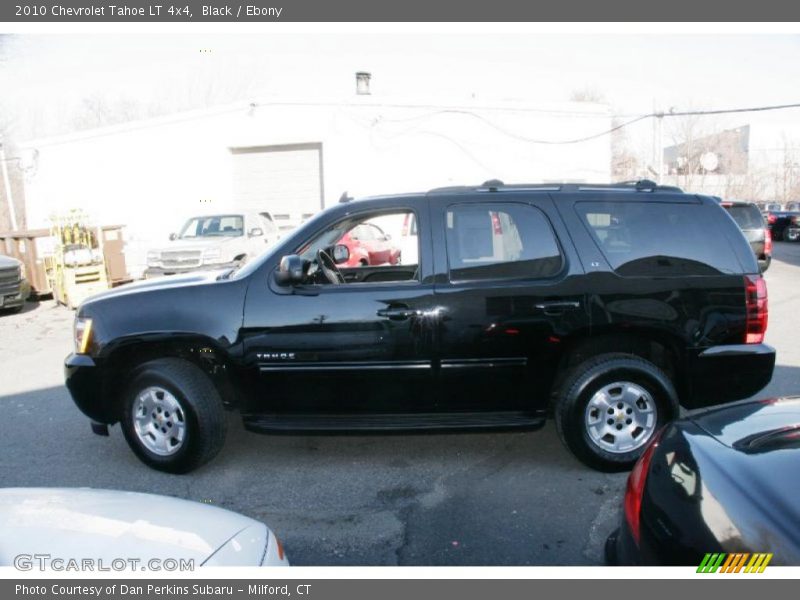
(284, 180)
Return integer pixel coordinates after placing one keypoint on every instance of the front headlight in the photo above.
(153, 257)
(212, 255)
(83, 334)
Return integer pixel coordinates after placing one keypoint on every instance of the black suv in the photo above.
(607, 305)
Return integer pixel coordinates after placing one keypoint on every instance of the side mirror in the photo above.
(341, 254)
(256, 232)
(386, 237)
(292, 270)
(173, 237)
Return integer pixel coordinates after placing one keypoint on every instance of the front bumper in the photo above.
(722, 374)
(85, 383)
(153, 272)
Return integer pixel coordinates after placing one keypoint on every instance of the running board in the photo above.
(364, 422)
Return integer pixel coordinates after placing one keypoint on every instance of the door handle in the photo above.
(557, 307)
(397, 313)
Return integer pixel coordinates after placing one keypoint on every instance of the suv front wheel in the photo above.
(173, 418)
(610, 407)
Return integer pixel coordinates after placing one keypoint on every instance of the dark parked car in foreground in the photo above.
(723, 481)
(14, 287)
(751, 222)
(609, 305)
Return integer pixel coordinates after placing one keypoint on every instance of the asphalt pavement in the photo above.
(425, 499)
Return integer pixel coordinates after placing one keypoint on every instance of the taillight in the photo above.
(767, 242)
(635, 488)
(756, 306)
(771, 219)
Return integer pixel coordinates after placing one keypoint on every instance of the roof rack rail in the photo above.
(495, 185)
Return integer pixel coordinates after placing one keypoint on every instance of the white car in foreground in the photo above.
(111, 528)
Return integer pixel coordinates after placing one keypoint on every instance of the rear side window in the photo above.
(500, 241)
(747, 216)
(660, 239)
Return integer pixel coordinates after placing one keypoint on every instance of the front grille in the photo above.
(9, 281)
(181, 259)
(9, 275)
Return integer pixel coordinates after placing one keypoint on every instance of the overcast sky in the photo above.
(630, 71)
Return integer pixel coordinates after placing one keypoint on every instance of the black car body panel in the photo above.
(725, 480)
(434, 343)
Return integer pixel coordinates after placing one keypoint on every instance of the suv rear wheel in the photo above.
(609, 408)
(173, 418)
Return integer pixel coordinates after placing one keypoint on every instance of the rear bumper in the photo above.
(85, 384)
(620, 549)
(723, 374)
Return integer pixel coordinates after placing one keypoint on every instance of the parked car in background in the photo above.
(722, 481)
(792, 206)
(368, 245)
(216, 241)
(106, 525)
(614, 305)
(752, 224)
(14, 286)
(783, 225)
(768, 207)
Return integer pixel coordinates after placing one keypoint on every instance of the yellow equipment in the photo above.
(76, 269)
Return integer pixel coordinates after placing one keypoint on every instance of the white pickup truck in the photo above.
(213, 242)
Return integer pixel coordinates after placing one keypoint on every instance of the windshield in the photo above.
(213, 226)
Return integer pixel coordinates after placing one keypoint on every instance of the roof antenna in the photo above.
(344, 197)
(645, 184)
(493, 184)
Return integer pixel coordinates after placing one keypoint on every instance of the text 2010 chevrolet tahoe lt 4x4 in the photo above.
(610, 305)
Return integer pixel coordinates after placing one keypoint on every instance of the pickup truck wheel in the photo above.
(173, 417)
(610, 408)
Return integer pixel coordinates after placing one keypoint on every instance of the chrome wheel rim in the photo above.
(621, 417)
(159, 421)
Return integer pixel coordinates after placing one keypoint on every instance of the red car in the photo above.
(369, 246)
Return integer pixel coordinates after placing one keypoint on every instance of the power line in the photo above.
(652, 115)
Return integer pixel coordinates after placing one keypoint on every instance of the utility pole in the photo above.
(12, 213)
(660, 138)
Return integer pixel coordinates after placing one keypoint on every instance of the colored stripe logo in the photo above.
(738, 562)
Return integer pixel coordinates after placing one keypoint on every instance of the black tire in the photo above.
(203, 415)
(587, 378)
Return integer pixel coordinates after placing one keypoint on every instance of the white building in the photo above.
(294, 156)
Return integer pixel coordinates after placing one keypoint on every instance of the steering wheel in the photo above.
(329, 268)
